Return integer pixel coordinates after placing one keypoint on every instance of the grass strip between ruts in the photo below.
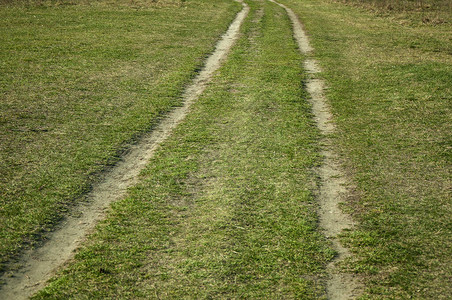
(77, 83)
(390, 87)
(224, 209)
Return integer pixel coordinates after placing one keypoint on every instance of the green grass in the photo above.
(390, 87)
(224, 209)
(134, 4)
(79, 82)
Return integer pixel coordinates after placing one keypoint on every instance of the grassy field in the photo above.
(224, 209)
(79, 82)
(390, 86)
(417, 11)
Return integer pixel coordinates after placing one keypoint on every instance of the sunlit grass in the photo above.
(79, 82)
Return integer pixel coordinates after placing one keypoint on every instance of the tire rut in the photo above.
(332, 187)
(38, 265)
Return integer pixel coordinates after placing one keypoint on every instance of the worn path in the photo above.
(332, 190)
(39, 264)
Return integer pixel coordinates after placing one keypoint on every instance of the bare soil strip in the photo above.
(332, 189)
(38, 265)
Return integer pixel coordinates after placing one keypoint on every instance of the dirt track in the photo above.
(40, 264)
(332, 189)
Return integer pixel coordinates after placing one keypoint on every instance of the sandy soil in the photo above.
(38, 265)
(332, 190)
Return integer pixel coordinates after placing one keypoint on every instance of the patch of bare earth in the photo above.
(332, 190)
(38, 265)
